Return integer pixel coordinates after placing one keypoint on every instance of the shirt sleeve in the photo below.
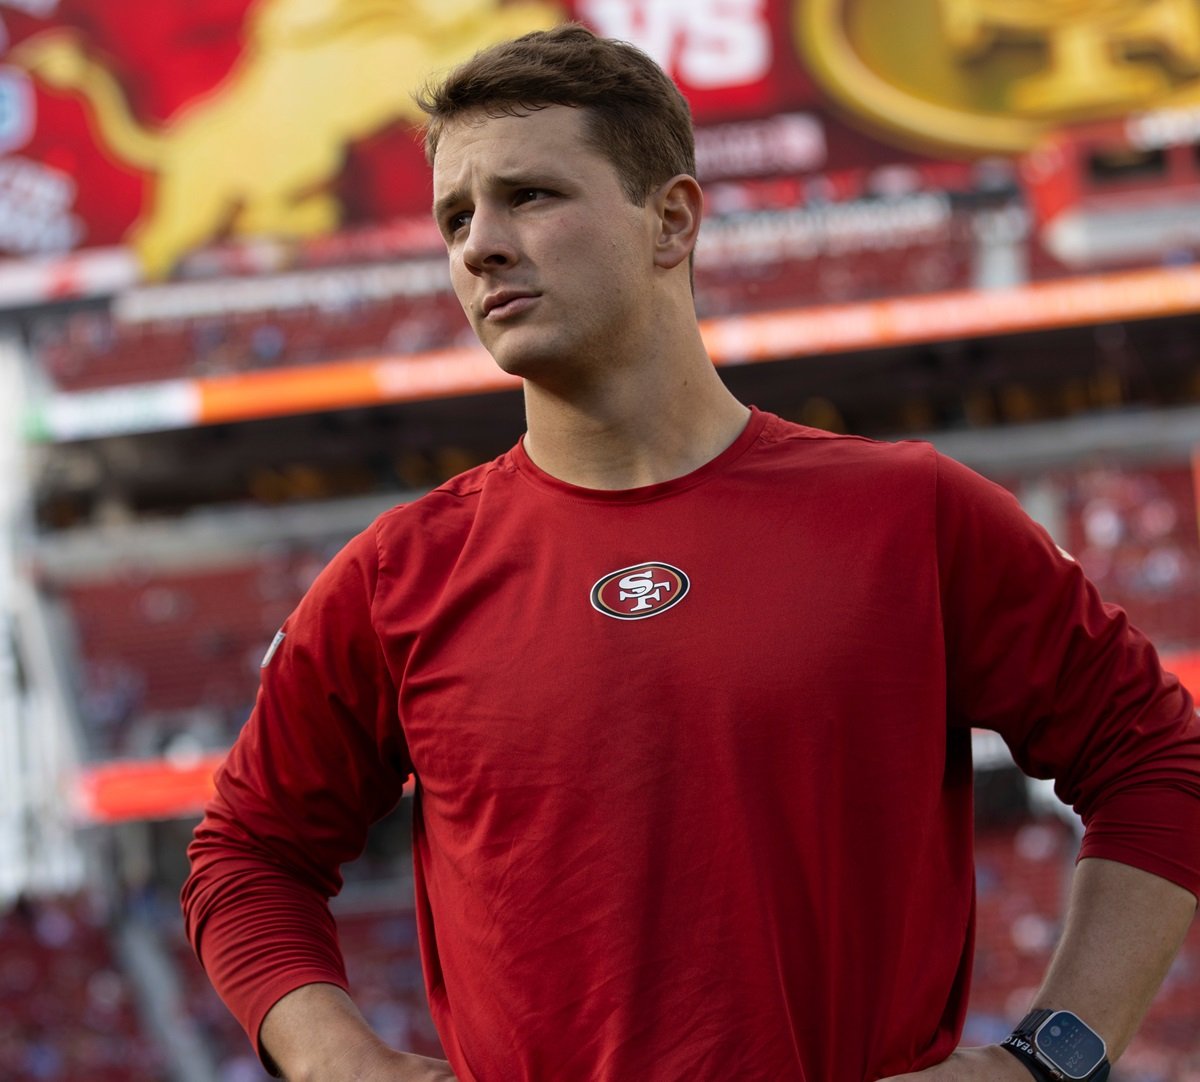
(1077, 692)
(320, 759)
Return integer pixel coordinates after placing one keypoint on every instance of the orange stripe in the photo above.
(767, 336)
(345, 384)
(1187, 668)
(157, 789)
(965, 313)
(290, 390)
(148, 789)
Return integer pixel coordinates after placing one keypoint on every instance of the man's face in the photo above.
(551, 262)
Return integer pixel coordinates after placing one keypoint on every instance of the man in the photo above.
(687, 690)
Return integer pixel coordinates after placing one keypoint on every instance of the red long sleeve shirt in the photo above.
(693, 760)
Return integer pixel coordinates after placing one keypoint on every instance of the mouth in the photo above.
(507, 303)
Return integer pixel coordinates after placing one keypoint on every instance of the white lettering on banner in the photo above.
(141, 407)
(1167, 128)
(35, 203)
(41, 9)
(787, 143)
(754, 238)
(706, 44)
(329, 290)
(18, 110)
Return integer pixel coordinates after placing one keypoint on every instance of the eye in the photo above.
(530, 195)
(456, 221)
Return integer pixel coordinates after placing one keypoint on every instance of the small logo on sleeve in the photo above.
(639, 591)
(279, 637)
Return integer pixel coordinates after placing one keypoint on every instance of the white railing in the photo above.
(39, 850)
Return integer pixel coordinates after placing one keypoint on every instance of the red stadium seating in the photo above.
(66, 1010)
(89, 350)
(1136, 532)
(166, 651)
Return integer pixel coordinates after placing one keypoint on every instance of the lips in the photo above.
(507, 301)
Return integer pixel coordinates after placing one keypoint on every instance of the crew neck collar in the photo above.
(643, 493)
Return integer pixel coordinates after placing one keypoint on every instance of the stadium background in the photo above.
(227, 341)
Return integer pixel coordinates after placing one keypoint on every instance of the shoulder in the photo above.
(841, 459)
(444, 513)
(410, 546)
(800, 438)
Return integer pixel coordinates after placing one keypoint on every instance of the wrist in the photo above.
(1058, 1046)
(1028, 1060)
(316, 1034)
(326, 1061)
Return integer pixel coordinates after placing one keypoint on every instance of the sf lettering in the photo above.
(640, 586)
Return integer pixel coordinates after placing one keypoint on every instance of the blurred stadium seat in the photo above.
(56, 963)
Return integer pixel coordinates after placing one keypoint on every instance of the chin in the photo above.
(526, 361)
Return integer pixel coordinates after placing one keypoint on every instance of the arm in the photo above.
(316, 1034)
(321, 758)
(1079, 696)
(1123, 928)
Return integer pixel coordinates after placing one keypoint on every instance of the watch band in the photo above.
(1031, 1064)
(1021, 1043)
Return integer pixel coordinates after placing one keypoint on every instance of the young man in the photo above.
(687, 689)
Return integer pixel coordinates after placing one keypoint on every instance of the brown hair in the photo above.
(636, 117)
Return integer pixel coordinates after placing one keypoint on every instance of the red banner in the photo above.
(172, 127)
(194, 123)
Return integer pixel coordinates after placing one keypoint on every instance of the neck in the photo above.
(634, 424)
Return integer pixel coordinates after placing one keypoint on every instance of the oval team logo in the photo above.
(640, 590)
(996, 75)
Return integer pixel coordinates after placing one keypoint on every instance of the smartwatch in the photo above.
(1059, 1046)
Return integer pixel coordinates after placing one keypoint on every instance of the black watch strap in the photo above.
(1031, 1065)
(1020, 1044)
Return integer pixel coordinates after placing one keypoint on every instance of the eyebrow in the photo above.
(440, 206)
(513, 180)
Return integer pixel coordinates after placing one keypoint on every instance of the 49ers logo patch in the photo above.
(640, 590)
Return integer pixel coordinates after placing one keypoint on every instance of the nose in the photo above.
(489, 244)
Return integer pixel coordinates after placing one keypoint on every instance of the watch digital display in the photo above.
(1067, 1043)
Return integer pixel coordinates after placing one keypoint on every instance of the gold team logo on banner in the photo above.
(259, 154)
(994, 75)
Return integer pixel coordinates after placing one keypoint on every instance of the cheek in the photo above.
(460, 281)
(602, 264)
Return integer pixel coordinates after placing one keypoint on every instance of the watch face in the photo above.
(1067, 1043)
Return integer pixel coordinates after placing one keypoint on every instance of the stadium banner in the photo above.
(121, 791)
(735, 340)
(147, 789)
(236, 135)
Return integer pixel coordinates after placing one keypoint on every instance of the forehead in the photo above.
(477, 147)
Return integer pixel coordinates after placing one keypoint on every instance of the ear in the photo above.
(679, 205)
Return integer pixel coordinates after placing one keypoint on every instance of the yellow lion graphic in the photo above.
(256, 155)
